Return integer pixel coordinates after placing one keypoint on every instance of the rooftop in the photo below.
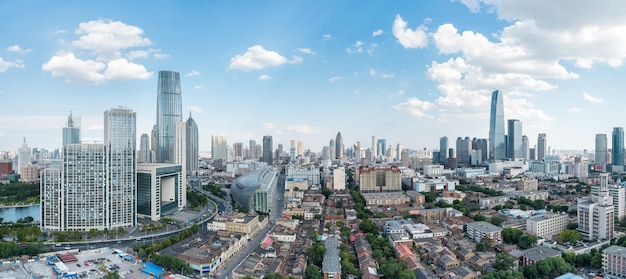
(484, 226)
(332, 262)
(541, 253)
(615, 250)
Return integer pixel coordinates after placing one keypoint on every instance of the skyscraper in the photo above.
(542, 147)
(238, 151)
(153, 136)
(144, 150)
(496, 128)
(601, 149)
(268, 147)
(193, 147)
(381, 146)
(71, 131)
(339, 146)
(515, 145)
(463, 150)
(219, 147)
(374, 146)
(525, 148)
(252, 147)
(120, 143)
(399, 152)
(443, 150)
(596, 213)
(24, 156)
(618, 146)
(169, 111)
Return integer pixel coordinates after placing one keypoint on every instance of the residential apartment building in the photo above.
(595, 213)
(477, 231)
(614, 262)
(618, 195)
(547, 225)
(379, 179)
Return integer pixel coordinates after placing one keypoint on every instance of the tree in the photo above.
(544, 268)
(504, 261)
(272, 276)
(531, 272)
(368, 226)
(527, 241)
(570, 258)
(313, 272)
(497, 221)
(112, 275)
(480, 247)
(488, 242)
(572, 226)
(596, 260)
(327, 192)
(316, 253)
(511, 235)
(480, 217)
(570, 236)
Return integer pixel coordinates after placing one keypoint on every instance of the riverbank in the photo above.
(18, 205)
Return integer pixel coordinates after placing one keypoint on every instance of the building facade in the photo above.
(542, 147)
(379, 179)
(596, 213)
(477, 231)
(219, 147)
(514, 136)
(496, 127)
(547, 225)
(338, 146)
(71, 131)
(601, 150)
(614, 262)
(268, 149)
(144, 149)
(256, 191)
(618, 147)
(160, 190)
(169, 112)
(193, 146)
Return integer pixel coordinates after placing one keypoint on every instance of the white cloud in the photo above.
(307, 51)
(18, 49)
(89, 71)
(304, 129)
(386, 75)
(377, 33)
(198, 87)
(472, 5)
(192, 73)
(195, 109)
(161, 56)
(575, 110)
(107, 38)
(398, 94)
(5, 65)
(335, 78)
(326, 37)
(374, 73)
(265, 77)
(592, 99)
(409, 38)
(132, 55)
(357, 47)
(415, 107)
(257, 58)
(121, 69)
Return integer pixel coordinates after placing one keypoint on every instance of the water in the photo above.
(11, 214)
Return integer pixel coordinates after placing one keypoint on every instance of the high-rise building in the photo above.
(374, 147)
(193, 145)
(618, 196)
(463, 150)
(160, 190)
(219, 147)
(71, 131)
(404, 158)
(51, 201)
(339, 146)
(542, 147)
(153, 136)
(144, 150)
(300, 148)
(268, 148)
(381, 147)
(515, 146)
(238, 151)
(443, 150)
(525, 148)
(169, 112)
(252, 146)
(179, 153)
(613, 262)
(618, 146)
(496, 128)
(120, 126)
(596, 213)
(331, 144)
(24, 156)
(601, 149)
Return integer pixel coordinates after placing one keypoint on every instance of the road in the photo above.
(226, 269)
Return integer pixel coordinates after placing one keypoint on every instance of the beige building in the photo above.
(527, 184)
(547, 225)
(379, 179)
(479, 230)
(29, 173)
(614, 262)
(241, 223)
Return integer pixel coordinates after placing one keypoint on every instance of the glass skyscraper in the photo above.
(601, 149)
(71, 131)
(496, 128)
(192, 145)
(169, 111)
(618, 146)
(268, 145)
(120, 126)
(515, 145)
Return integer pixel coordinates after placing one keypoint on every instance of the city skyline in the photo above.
(417, 71)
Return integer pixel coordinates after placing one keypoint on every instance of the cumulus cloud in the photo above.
(335, 78)
(90, 71)
(18, 49)
(307, 51)
(192, 73)
(265, 77)
(161, 56)
(377, 33)
(472, 5)
(409, 38)
(303, 129)
(5, 65)
(415, 107)
(357, 47)
(326, 37)
(107, 38)
(122, 69)
(257, 57)
(592, 99)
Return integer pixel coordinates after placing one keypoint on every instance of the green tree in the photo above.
(367, 226)
(481, 247)
(544, 268)
(497, 221)
(272, 276)
(406, 274)
(112, 275)
(313, 272)
(327, 192)
(570, 258)
(531, 272)
(572, 226)
(316, 253)
(570, 236)
(596, 260)
(488, 243)
(504, 261)
(511, 235)
(527, 241)
(480, 217)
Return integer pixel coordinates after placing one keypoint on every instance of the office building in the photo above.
(601, 150)
(160, 190)
(268, 149)
(481, 145)
(169, 112)
(618, 147)
(144, 149)
(238, 151)
(71, 131)
(252, 152)
(547, 225)
(596, 213)
(614, 262)
(193, 146)
(381, 147)
(542, 147)
(256, 191)
(479, 230)
(618, 198)
(525, 148)
(374, 150)
(153, 136)
(515, 145)
(398, 152)
(339, 179)
(120, 142)
(24, 156)
(339, 146)
(463, 150)
(179, 155)
(496, 128)
(404, 158)
(379, 179)
(443, 150)
(309, 173)
(219, 147)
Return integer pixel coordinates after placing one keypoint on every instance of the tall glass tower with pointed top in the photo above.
(71, 131)
(169, 111)
(192, 145)
(496, 128)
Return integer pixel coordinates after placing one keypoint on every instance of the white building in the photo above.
(618, 194)
(547, 225)
(311, 173)
(595, 213)
(219, 147)
(339, 178)
(160, 189)
(479, 230)
(24, 156)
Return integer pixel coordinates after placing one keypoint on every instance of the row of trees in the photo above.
(19, 192)
(196, 199)
(12, 249)
(518, 237)
(172, 263)
(149, 250)
(214, 189)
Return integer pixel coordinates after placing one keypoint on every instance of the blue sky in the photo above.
(407, 71)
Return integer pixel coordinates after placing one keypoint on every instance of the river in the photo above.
(11, 214)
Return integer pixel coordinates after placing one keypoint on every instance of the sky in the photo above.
(407, 71)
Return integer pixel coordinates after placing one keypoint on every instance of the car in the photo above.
(78, 265)
(119, 242)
